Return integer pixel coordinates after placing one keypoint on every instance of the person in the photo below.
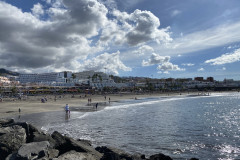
(19, 110)
(67, 108)
(96, 105)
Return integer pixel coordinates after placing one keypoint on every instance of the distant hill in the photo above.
(7, 72)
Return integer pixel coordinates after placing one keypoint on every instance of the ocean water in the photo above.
(205, 127)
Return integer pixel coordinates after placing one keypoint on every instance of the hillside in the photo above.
(7, 72)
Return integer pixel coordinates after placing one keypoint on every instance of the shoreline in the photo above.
(32, 104)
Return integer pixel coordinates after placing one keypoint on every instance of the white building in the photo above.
(98, 80)
(4, 80)
(54, 77)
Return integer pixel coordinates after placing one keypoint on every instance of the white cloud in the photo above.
(111, 62)
(203, 39)
(168, 66)
(145, 49)
(164, 64)
(138, 28)
(37, 10)
(225, 58)
(155, 59)
(201, 69)
(68, 33)
(224, 68)
(176, 12)
(28, 42)
(188, 64)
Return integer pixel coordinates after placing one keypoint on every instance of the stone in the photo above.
(11, 138)
(160, 156)
(52, 153)
(4, 122)
(34, 150)
(65, 144)
(73, 155)
(40, 136)
(115, 154)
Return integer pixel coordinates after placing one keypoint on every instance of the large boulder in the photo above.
(11, 138)
(73, 155)
(160, 156)
(35, 150)
(115, 154)
(40, 136)
(65, 144)
(4, 122)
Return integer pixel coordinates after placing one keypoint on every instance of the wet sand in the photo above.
(32, 104)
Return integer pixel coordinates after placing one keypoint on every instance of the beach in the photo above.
(32, 104)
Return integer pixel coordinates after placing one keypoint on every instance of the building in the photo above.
(54, 77)
(198, 78)
(4, 81)
(210, 79)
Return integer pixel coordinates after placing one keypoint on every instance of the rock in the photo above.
(85, 141)
(115, 154)
(4, 122)
(12, 156)
(52, 153)
(73, 155)
(160, 156)
(11, 138)
(65, 144)
(30, 130)
(194, 159)
(40, 136)
(34, 150)
(143, 156)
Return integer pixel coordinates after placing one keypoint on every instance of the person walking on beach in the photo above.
(96, 105)
(67, 109)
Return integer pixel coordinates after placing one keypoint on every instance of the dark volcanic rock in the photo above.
(40, 136)
(34, 150)
(115, 154)
(160, 156)
(65, 144)
(73, 155)
(5, 122)
(11, 138)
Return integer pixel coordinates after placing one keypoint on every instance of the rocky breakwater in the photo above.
(23, 141)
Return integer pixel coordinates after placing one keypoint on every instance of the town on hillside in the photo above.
(99, 82)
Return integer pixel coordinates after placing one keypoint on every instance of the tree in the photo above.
(74, 76)
(14, 90)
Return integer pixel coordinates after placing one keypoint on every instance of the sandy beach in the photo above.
(32, 104)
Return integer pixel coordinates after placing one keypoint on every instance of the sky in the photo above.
(144, 38)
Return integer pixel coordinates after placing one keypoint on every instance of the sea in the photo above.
(182, 127)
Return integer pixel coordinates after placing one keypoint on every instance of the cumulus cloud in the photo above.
(111, 62)
(37, 10)
(188, 64)
(164, 64)
(155, 59)
(136, 28)
(29, 42)
(145, 49)
(168, 66)
(59, 34)
(225, 58)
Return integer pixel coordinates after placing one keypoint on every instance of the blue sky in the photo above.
(153, 38)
